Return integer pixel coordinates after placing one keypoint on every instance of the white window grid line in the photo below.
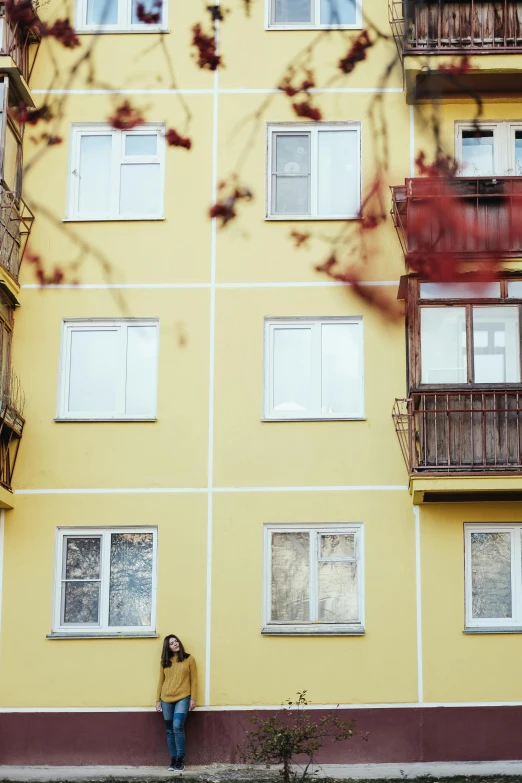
(313, 130)
(504, 157)
(104, 533)
(124, 22)
(315, 531)
(514, 531)
(315, 19)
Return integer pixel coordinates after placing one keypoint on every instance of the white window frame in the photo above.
(313, 129)
(503, 144)
(355, 628)
(485, 624)
(269, 414)
(314, 24)
(118, 158)
(95, 324)
(102, 628)
(124, 24)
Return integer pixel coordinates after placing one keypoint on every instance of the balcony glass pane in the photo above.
(515, 289)
(95, 175)
(496, 344)
(292, 370)
(140, 390)
(130, 592)
(477, 153)
(338, 186)
(94, 371)
(338, 593)
(338, 12)
(460, 290)
(491, 575)
(100, 12)
(443, 345)
(518, 153)
(292, 11)
(340, 388)
(290, 577)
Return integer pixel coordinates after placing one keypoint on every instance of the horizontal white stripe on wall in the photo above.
(153, 286)
(221, 91)
(167, 490)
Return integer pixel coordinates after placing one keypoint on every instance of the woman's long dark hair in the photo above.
(167, 654)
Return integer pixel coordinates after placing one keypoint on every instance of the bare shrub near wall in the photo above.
(291, 732)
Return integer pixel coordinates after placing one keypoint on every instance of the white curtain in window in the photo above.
(337, 173)
(140, 391)
(443, 345)
(340, 368)
(94, 371)
(95, 175)
(292, 369)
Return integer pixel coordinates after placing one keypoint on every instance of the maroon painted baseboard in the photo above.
(138, 738)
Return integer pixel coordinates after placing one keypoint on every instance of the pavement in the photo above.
(219, 773)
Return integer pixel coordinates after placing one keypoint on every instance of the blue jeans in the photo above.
(174, 714)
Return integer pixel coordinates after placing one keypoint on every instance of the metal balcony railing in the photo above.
(467, 216)
(11, 428)
(468, 432)
(439, 26)
(19, 41)
(16, 220)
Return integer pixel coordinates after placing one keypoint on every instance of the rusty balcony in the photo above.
(471, 217)
(16, 220)
(460, 433)
(11, 428)
(18, 41)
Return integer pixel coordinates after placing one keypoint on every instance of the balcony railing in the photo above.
(467, 216)
(16, 220)
(16, 40)
(470, 26)
(465, 432)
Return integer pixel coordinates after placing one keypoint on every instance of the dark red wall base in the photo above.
(138, 738)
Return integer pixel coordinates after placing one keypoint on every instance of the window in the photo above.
(314, 171)
(474, 340)
(119, 15)
(493, 148)
(105, 580)
(313, 368)
(108, 369)
(302, 14)
(313, 579)
(116, 175)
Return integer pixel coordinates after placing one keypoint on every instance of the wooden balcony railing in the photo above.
(466, 216)
(16, 220)
(439, 26)
(19, 42)
(466, 432)
(11, 428)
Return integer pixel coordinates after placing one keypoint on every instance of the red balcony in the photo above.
(470, 217)
(461, 433)
(468, 27)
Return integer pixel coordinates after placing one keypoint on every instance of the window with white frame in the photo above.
(105, 580)
(115, 174)
(314, 171)
(489, 148)
(303, 14)
(493, 575)
(313, 368)
(109, 369)
(313, 579)
(133, 16)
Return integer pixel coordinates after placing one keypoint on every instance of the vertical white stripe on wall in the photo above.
(210, 463)
(420, 679)
(412, 142)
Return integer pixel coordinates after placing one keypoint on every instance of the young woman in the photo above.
(176, 695)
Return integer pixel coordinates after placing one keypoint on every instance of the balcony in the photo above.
(469, 217)
(16, 220)
(19, 45)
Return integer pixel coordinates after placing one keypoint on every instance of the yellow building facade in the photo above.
(206, 444)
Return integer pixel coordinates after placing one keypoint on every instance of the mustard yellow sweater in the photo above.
(178, 680)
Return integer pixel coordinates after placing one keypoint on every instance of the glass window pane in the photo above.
(518, 153)
(292, 153)
(140, 189)
(95, 175)
(469, 290)
(94, 371)
(338, 12)
(491, 575)
(338, 593)
(443, 345)
(515, 289)
(292, 11)
(292, 167)
(335, 545)
(340, 382)
(290, 577)
(496, 344)
(82, 558)
(81, 602)
(292, 195)
(477, 153)
(140, 393)
(130, 591)
(338, 186)
(100, 12)
(292, 369)
(150, 7)
(141, 144)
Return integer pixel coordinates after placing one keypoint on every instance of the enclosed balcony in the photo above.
(18, 49)
(16, 220)
(471, 217)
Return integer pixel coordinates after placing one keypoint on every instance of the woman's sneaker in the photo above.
(173, 767)
(180, 764)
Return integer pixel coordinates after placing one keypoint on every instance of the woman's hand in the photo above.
(158, 706)
(192, 704)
